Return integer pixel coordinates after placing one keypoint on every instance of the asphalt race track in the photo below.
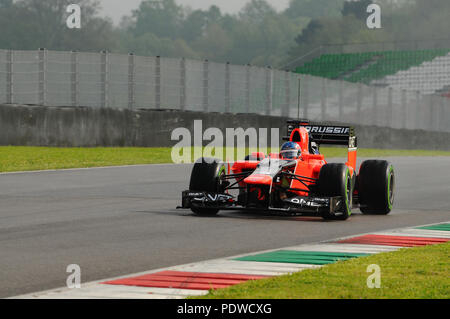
(118, 221)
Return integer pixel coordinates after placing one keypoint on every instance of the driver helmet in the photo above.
(290, 150)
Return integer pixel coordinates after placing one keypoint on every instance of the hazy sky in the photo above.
(117, 8)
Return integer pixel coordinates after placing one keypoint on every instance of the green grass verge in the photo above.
(18, 158)
(413, 273)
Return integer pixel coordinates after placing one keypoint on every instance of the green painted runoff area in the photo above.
(441, 227)
(301, 257)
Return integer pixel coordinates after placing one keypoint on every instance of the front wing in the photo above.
(296, 205)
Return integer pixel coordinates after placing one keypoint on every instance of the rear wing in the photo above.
(325, 134)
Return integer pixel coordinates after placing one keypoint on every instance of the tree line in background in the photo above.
(258, 34)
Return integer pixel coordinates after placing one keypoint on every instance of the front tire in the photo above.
(376, 182)
(206, 177)
(336, 180)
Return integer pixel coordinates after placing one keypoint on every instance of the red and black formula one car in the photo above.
(297, 181)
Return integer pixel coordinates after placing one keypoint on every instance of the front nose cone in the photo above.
(258, 179)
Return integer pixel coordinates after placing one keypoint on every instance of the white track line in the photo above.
(417, 233)
(97, 290)
(245, 267)
(346, 248)
(87, 168)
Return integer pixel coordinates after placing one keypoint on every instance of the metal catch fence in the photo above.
(105, 80)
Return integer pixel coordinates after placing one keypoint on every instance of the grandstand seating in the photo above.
(426, 70)
(428, 78)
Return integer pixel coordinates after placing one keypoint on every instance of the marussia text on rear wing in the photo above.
(325, 134)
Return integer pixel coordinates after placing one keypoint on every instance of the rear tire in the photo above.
(376, 182)
(205, 177)
(335, 180)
